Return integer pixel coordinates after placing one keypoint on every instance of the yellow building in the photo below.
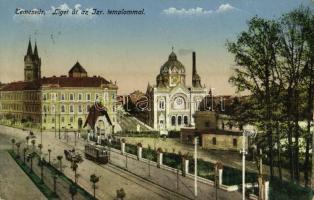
(66, 100)
(215, 131)
(54, 103)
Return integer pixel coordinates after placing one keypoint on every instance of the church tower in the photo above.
(196, 79)
(32, 64)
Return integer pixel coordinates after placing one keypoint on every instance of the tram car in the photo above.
(96, 153)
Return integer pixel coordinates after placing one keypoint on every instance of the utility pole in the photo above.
(211, 93)
(243, 166)
(59, 126)
(55, 122)
(195, 166)
(312, 177)
(246, 134)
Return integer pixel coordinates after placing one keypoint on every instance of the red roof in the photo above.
(74, 81)
(62, 81)
(21, 85)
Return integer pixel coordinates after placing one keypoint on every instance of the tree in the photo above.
(31, 156)
(41, 163)
(54, 176)
(25, 149)
(294, 55)
(73, 190)
(75, 160)
(309, 79)
(49, 153)
(33, 143)
(27, 139)
(60, 162)
(255, 56)
(121, 194)
(275, 64)
(94, 179)
(40, 146)
(18, 145)
(13, 142)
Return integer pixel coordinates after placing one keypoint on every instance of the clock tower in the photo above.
(32, 64)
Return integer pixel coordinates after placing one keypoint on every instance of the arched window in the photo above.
(179, 120)
(235, 142)
(162, 105)
(71, 109)
(214, 141)
(185, 120)
(80, 110)
(173, 120)
(62, 108)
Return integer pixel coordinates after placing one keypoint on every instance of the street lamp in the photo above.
(246, 133)
(75, 138)
(195, 166)
(211, 93)
(222, 106)
(312, 176)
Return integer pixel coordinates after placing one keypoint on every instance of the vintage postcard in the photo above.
(156, 99)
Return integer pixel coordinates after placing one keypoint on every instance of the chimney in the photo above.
(194, 63)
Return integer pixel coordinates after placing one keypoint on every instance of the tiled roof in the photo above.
(21, 85)
(77, 68)
(62, 81)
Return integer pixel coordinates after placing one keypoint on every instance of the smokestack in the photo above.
(194, 62)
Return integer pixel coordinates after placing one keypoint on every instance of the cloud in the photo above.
(224, 8)
(183, 11)
(198, 10)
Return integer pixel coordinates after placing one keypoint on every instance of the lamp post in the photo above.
(222, 106)
(195, 166)
(312, 176)
(246, 133)
(75, 133)
(211, 93)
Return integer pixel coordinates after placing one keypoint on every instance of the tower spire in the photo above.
(35, 50)
(29, 48)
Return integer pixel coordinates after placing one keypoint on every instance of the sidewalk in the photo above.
(14, 183)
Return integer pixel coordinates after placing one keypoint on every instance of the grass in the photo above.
(49, 194)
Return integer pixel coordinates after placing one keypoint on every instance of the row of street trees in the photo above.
(275, 59)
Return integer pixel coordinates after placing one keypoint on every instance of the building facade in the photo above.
(55, 103)
(171, 102)
(216, 131)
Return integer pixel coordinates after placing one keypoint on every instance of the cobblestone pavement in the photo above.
(14, 183)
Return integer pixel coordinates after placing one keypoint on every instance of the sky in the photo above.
(130, 49)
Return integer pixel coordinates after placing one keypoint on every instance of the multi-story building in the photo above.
(172, 103)
(55, 102)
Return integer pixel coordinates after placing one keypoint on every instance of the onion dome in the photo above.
(172, 65)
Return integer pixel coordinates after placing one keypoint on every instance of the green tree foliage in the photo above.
(274, 63)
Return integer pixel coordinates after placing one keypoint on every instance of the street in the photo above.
(161, 184)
